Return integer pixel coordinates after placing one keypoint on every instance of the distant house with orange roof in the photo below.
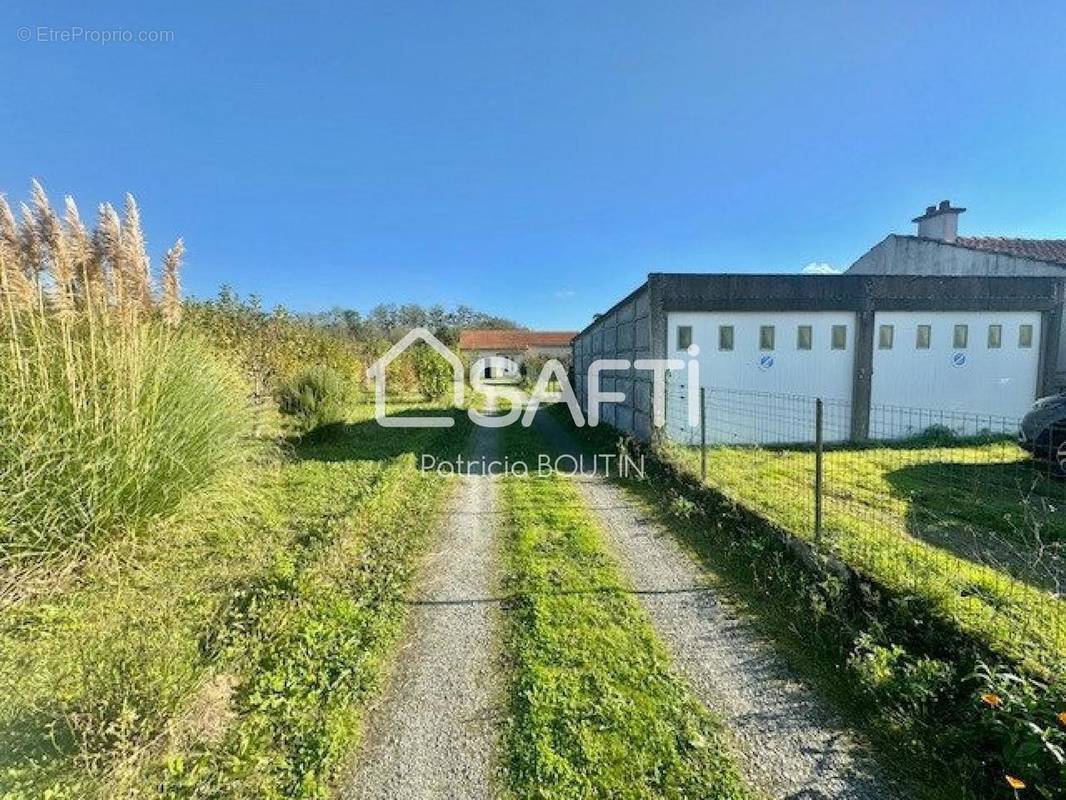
(498, 344)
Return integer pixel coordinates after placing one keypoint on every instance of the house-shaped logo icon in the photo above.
(377, 372)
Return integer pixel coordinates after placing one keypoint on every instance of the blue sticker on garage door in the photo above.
(958, 360)
(766, 362)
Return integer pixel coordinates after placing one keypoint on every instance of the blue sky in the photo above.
(535, 160)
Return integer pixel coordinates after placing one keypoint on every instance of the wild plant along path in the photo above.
(434, 733)
(791, 746)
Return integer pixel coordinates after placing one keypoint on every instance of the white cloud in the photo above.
(821, 268)
(562, 294)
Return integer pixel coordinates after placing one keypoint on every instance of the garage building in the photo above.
(980, 347)
(924, 328)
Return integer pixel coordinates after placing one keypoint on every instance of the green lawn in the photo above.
(974, 529)
(596, 708)
(917, 668)
(226, 652)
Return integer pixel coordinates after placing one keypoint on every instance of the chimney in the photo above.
(939, 222)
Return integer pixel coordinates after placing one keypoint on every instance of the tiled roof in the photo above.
(505, 339)
(1053, 250)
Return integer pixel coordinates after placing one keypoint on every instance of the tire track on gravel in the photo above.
(434, 732)
(791, 745)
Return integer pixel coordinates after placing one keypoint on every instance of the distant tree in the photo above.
(388, 322)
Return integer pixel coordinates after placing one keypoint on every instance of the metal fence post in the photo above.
(818, 470)
(703, 433)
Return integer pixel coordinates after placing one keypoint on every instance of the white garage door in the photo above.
(964, 366)
(762, 372)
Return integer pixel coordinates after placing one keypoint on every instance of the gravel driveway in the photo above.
(790, 745)
(434, 732)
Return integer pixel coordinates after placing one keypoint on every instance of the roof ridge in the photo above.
(1049, 251)
(1009, 239)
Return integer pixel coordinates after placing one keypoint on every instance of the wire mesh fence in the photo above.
(942, 505)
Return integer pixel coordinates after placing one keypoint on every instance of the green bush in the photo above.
(317, 399)
(432, 373)
(106, 425)
(272, 347)
(935, 434)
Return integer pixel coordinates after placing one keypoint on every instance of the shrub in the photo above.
(531, 369)
(534, 365)
(317, 399)
(432, 373)
(936, 434)
(110, 415)
(273, 347)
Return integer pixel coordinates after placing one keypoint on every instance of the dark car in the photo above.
(1043, 431)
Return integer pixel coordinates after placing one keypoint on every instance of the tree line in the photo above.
(391, 321)
(384, 323)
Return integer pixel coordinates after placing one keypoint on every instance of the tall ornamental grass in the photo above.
(110, 413)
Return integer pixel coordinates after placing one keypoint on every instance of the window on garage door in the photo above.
(995, 337)
(961, 337)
